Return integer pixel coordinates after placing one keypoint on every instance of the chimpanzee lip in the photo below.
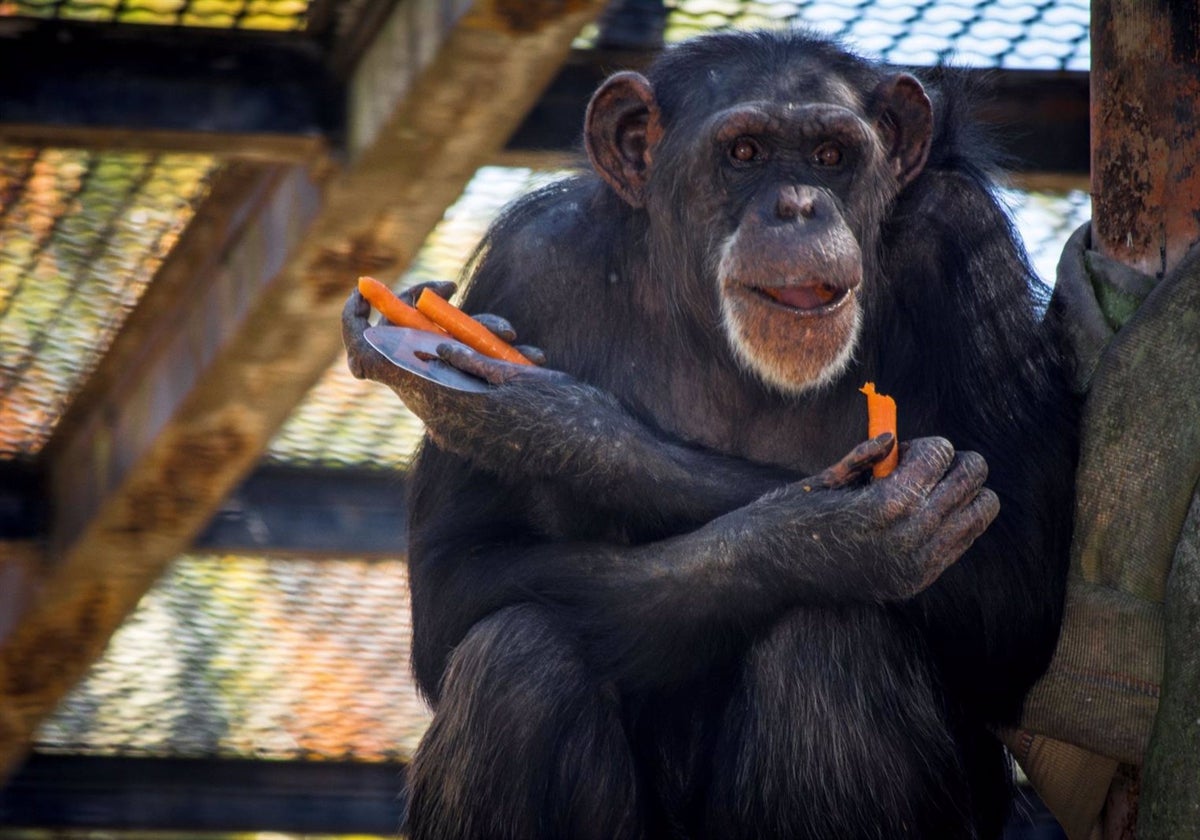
(805, 298)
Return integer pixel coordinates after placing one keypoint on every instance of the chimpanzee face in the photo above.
(790, 270)
(783, 194)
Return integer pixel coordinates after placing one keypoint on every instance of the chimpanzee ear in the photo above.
(620, 131)
(904, 117)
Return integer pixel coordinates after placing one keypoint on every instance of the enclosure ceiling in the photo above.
(241, 655)
(1017, 34)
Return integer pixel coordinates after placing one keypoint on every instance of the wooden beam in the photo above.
(435, 97)
(20, 563)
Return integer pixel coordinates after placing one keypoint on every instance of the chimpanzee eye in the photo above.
(745, 149)
(827, 154)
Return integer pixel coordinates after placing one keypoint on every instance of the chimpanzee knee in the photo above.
(524, 744)
(837, 731)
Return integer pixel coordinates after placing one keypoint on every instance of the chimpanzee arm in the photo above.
(661, 611)
(543, 425)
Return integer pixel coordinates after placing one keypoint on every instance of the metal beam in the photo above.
(313, 513)
(435, 97)
(232, 796)
(1146, 88)
(259, 93)
(277, 511)
(189, 795)
(270, 97)
(1039, 119)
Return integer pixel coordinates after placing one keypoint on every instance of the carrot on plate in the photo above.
(392, 308)
(881, 417)
(466, 329)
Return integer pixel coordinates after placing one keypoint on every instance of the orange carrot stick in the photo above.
(391, 307)
(466, 329)
(881, 417)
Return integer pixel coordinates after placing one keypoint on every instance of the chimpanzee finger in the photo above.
(492, 371)
(356, 309)
(924, 462)
(497, 326)
(354, 320)
(533, 354)
(502, 329)
(956, 535)
(441, 288)
(853, 466)
(961, 483)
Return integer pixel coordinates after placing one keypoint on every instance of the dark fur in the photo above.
(575, 695)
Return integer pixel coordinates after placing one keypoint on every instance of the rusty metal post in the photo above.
(1146, 130)
(1146, 202)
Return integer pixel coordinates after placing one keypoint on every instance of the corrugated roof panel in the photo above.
(279, 15)
(1015, 34)
(248, 657)
(81, 235)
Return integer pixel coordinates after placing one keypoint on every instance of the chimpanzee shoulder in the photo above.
(553, 262)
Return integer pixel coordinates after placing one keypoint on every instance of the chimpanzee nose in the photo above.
(796, 202)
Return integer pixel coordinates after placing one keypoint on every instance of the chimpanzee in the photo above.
(634, 615)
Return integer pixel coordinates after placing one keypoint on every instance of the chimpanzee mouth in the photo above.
(808, 298)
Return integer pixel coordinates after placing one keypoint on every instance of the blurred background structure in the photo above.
(203, 604)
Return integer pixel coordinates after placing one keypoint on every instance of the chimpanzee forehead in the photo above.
(717, 72)
(800, 81)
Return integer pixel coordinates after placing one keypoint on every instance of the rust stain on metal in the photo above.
(523, 16)
(1145, 181)
(74, 629)
(332, 273)
(184, 478)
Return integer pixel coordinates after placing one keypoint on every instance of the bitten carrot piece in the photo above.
(391, 307)
(466, 329)
(881, 417)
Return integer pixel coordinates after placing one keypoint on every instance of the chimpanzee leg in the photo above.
(836, 731)
(524, 744)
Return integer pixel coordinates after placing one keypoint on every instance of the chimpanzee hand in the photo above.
(534, 422)
(885, 541)
(366, 362)
(499, 326)
(545, 425)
